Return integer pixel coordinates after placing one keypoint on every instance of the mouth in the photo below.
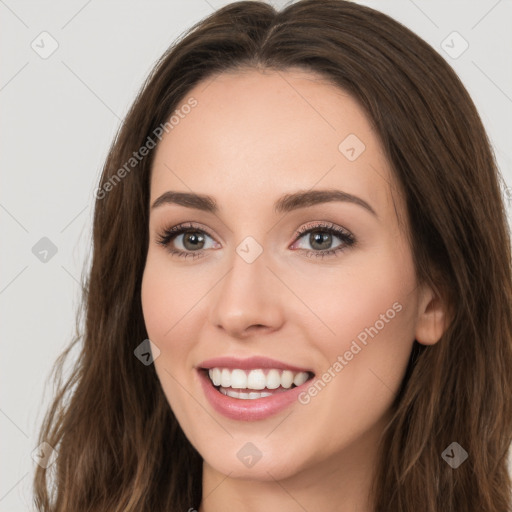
(254, 384)
(251, 389)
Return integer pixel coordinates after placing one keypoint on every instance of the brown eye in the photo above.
(186, 241)
(321, 239)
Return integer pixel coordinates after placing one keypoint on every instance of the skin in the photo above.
(253, 137)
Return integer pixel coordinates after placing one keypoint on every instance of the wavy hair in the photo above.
(120, 447)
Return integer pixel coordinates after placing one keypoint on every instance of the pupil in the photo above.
(194, 239)
(318, 237)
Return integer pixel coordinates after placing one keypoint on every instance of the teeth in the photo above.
(287, 379)
(255, 380)
(243, 395)
(239, 379)
(300, 378)
(215, 375)
(225, 378)
(273, 379)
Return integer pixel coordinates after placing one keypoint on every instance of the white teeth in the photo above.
(273, 379)
(225, 378)
(215, 375)
(300, 378)
(238, 379)
(255, 379)
(243, 395)
(287, 379)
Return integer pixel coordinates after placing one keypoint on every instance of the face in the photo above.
(295, 267)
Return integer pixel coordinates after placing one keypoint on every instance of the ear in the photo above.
(432, 317)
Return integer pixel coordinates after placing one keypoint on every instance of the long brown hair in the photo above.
(119, 445)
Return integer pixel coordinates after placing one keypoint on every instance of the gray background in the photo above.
(59, 115)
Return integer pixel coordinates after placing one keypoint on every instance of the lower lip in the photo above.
(249, 409)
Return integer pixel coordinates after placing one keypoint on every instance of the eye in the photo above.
(320, 239)
(191, 240)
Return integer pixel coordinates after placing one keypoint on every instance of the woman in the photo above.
(302, 213)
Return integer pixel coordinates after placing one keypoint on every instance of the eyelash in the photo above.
(348, 240)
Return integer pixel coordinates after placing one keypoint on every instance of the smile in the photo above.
(254, 384)
(251, 389)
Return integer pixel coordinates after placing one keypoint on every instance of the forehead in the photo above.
(253, 134)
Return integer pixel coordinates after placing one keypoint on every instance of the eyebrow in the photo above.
(284, 204)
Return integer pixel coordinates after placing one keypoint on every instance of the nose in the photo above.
(248, 299)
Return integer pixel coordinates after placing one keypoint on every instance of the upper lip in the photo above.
(250, 363)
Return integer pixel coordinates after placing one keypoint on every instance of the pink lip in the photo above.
(248, 410)
(250, 363)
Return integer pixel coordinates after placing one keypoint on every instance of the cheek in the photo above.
(377, 307)
(371, 312)
(367, 312)
(370, 296)
(363, 364)
(167, 296)
(166, 300)
(156, 301)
